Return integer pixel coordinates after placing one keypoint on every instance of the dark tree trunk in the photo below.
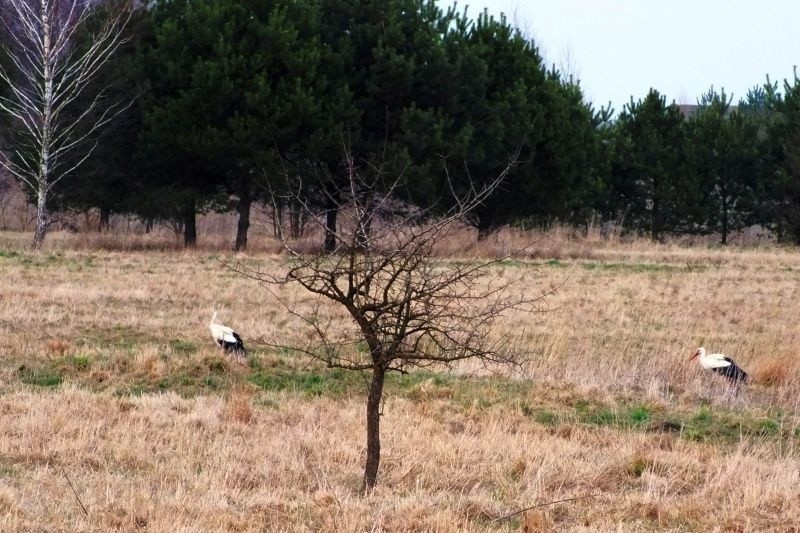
(245, 201)
(148, 224)
(374, 428)
(189, 224)
(294, 219)
(303, 221)
(330, 229)
(724, 229)
(485, 224)
(277, 217)
(655, 222)
(105, 219)
(484, 232)
(331, 214)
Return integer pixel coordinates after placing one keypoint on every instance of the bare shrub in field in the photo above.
(405, 309)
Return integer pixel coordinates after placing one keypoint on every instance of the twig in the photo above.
(515, 513)
(74, 491)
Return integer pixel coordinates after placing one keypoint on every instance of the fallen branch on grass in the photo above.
(74, 492)
(515, 513)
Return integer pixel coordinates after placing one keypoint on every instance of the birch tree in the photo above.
(56, 121)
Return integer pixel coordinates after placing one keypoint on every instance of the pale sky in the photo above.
(621, 48)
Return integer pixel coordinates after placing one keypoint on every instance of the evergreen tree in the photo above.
(722, 152)
(107, 180)
(657, 195)
(231, 85)
(383, 68)
(785, 136)
(493, 100)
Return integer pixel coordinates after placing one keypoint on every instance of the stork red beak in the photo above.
(693, 356)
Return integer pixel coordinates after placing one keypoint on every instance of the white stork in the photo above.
(721, 364)
(226, 338)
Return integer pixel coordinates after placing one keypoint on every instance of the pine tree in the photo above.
(659, 197)
(232, 85)
(785, 135)
(722, 154)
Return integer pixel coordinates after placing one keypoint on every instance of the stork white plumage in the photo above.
(721, 364)
(227, 338)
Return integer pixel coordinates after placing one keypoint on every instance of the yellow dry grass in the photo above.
(111, 385)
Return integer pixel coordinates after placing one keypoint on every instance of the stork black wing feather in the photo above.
(733, 371)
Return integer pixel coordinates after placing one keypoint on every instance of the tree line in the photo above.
(220, 104)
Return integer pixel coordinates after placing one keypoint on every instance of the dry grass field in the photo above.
(119, 413)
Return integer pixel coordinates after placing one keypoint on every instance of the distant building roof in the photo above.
(690, 110)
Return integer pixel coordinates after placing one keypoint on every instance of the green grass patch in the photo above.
(81, 362)
(552, 263)
(183, 347)
(546, 417)
(481, 393)
(705, 424)
(182, 383)
(117, 337)
(334, 382)
(511, 263)
(556, 263)
(768, 427)
(640, 267)
(602, 417)
(41, 377)
(400, 383)
(52, 259)
(639, 415)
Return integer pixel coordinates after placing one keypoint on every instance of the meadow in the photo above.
(119, 412)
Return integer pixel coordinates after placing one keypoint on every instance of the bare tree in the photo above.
(48, 78)
(403, 307)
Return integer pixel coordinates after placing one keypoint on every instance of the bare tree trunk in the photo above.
(42, 220)
(655, 221)
(277, 219)
(485, 226)
(725, 210)
(331, 214)
(294, 219)
(189, 224)
(330, 230)
(245, 201)
(105, 219)
(303, 222)
(373, 427)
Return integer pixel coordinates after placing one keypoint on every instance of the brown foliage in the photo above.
(775, 371)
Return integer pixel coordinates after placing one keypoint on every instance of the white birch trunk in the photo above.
(46, 82)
